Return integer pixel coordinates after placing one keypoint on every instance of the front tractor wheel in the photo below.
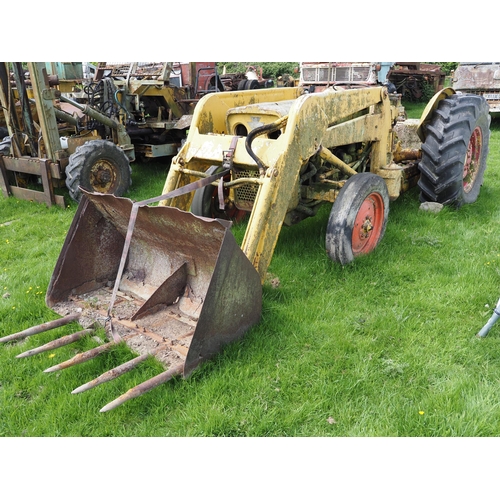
(455, 150)
(206, 201)
(98, 166)
(358, 218)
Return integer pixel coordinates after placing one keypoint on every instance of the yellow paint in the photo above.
(310, 123)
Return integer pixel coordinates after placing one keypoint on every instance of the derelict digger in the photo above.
(170, 279)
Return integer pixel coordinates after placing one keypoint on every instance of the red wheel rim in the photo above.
(472, 159)
(368, 224)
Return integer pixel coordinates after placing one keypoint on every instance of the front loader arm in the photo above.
(314, 122)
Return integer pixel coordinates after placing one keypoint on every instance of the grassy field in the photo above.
(383, 347)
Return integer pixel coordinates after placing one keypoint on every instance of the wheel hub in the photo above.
(366, 227)
(368, 224)
(103, 176)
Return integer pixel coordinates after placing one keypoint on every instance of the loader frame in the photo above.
(139, 113)
(300, 127)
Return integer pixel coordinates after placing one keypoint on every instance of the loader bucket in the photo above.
(186, 288)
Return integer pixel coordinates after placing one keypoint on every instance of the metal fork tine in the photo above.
(111, 374)
(62, 341)
(50, 325)
(81, 358)
(146, 386)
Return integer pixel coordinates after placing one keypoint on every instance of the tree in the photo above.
(269, 69)
(447, 67)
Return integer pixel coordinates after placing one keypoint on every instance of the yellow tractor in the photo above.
(166, 275)
(290, 152)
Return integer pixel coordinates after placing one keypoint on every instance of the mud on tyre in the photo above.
(100, 166)
(455, 150)
(358, 218)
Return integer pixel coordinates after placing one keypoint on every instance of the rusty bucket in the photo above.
(176, 286)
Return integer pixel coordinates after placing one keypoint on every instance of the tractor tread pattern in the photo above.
(443, 152)
(78, 160)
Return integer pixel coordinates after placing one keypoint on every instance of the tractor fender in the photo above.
(430, 108)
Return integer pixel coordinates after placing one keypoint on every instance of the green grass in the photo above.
(383, 347)
(414, 109)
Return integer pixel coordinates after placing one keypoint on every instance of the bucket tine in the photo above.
(81, 358)
(146, 386)
(62, 341)
(50, 325)
(112, 374)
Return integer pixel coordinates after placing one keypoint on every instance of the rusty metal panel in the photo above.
(477, 76)
(28, 165)
(38, 196)
(32, 166)
(480, 78)
(77, 140)
(4, 182)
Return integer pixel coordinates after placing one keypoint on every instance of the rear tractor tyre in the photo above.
(98, 166)
(206, 201)
(455, 150)
(358, 218)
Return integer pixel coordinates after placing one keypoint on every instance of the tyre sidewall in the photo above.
(445, 149)
(202, 199)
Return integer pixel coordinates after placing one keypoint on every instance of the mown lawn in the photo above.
(383, 347)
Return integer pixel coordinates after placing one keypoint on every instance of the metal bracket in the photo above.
(51, 94)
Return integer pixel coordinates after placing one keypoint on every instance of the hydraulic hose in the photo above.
(119, 103)
(271, 127)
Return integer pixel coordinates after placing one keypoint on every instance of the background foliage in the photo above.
(269, 69)
(447, 67)
(275, 69)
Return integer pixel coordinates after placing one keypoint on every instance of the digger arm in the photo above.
(93, 113)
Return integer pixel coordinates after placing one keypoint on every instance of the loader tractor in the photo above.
(166, 276)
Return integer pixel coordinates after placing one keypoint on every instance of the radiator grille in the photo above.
(245, 195)
(309, 74)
